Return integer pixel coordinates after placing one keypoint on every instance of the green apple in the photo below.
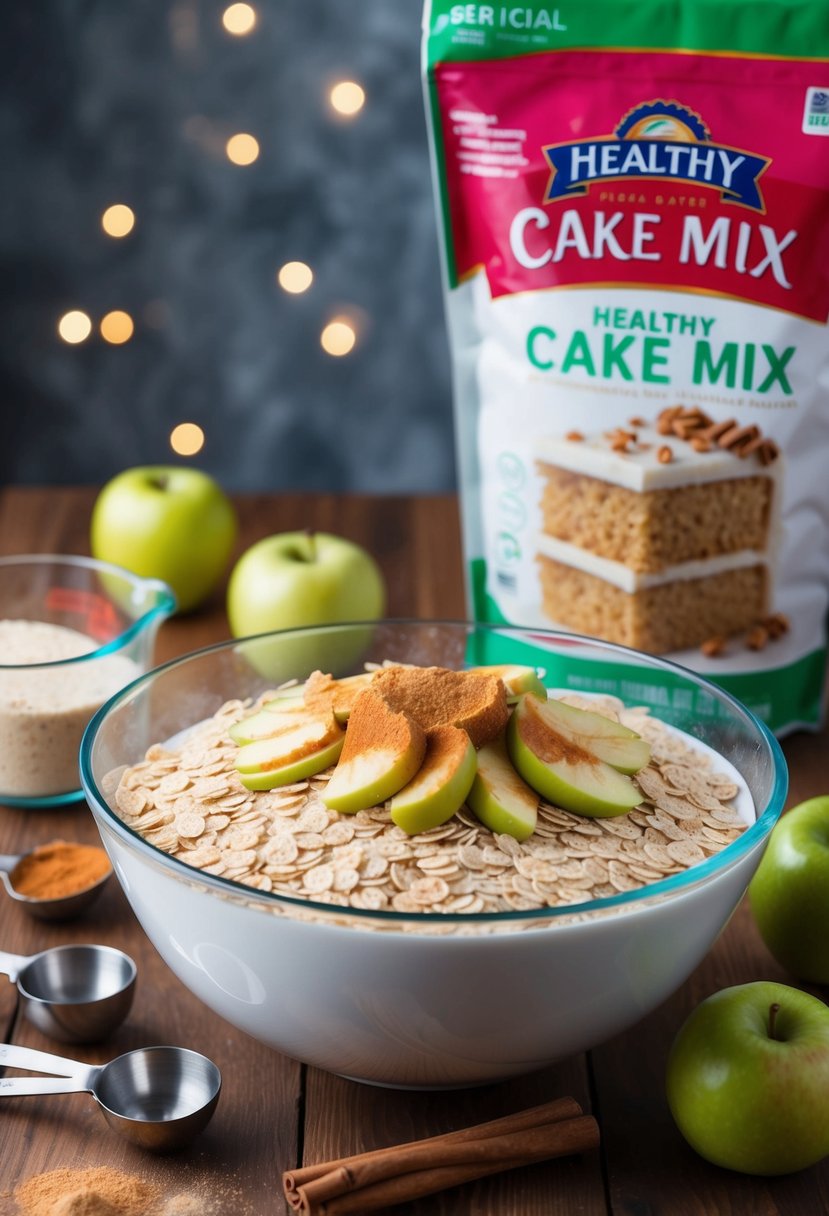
(295, 579)
(292, 697)
(276, 753)
(617, 745)
(748, 1079)
(499, 797)
(166, 522)
(320, 694)
(383, 750)
(439, 788)
(322, 691)
(269, 722)
(308, 765)
(563, 772)
(516, 677)
(789, 894)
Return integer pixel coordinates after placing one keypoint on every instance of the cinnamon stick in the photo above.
(356, 1190)
(407, 1188)
(367, 1181)
(548, 1112)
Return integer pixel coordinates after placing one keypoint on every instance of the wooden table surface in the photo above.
(276, 1112)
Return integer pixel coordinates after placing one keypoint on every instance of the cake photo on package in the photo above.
(659, 535)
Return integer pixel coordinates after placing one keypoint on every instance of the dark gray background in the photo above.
(108, 102)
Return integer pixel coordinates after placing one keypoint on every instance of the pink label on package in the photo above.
(638, 169)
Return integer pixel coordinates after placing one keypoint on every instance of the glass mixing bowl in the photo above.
(425, 999)
(74, 631)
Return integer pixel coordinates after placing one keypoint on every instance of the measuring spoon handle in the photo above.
(12, 964)
(8, 861)
(13, 1056)
(19, 1087)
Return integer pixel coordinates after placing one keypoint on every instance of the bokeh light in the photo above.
(347, 97)
(74, 326)
(295, 277)
(239, 19)
(117, 327)
(339, 337)
(186, 439)
(118, 220)
(242, 149)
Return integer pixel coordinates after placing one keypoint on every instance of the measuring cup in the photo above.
(104, 621)
(158, 1097)
(63, 908)
(75, 994)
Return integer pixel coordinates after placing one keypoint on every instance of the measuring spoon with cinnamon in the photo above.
(78, 872)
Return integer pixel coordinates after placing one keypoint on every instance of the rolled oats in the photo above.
(131, 801)
(191, 804)
(319, 878)
(190, 823)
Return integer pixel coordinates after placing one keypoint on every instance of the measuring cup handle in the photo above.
(21, 1087)
(13, 1056)
(12, 964)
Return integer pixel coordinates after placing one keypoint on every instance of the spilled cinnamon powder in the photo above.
(185, 1205)
(101, 1191)
(104, 1191)
(84, 1203)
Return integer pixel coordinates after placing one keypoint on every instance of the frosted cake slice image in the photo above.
(659, 535)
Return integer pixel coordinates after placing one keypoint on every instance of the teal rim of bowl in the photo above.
(164, 606)
(42, 802)
(687, 878)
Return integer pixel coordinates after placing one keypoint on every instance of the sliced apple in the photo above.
(322, 690)
(516, 677)
(436, 696)
(564, 772)
(439, 788)
(269, 722)
(308, 737)
(499, 797)
(295, 770)
(383, 750)
(612, 742)
(285, 698)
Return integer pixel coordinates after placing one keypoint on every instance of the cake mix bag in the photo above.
(634, 206)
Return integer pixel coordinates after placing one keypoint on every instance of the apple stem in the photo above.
(160, 482)
(312, 544)
(774, 1009)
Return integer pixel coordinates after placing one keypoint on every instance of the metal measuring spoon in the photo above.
(63, 908)
(76, 994)
(158, 1097)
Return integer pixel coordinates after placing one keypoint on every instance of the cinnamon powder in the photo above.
(59, 869)
(549, 745)
(84, 1203)
(101, 1191)
(438, 696)
(376, 724)
(104, 1191)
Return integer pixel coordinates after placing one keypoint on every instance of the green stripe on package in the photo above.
(633, 205)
